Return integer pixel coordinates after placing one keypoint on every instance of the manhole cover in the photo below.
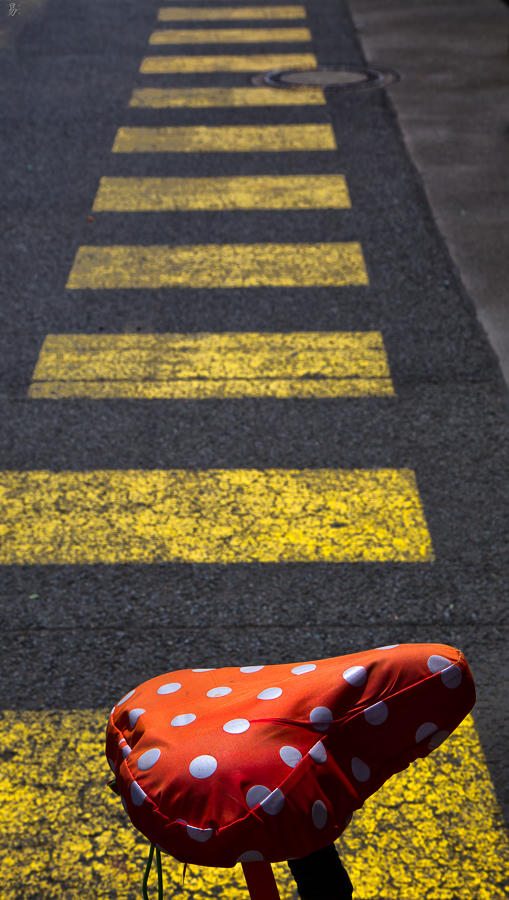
(331, 78)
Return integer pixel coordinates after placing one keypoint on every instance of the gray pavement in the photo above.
(451, 103)
(66, 84)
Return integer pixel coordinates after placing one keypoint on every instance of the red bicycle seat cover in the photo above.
(218, 766)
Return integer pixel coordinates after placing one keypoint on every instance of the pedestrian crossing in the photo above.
(230, 36)
(200, 366)
(219, 266)
(187, 65)
(239, 192)
(189, 98)
(226, 516)
(225, 139)
(215, 14)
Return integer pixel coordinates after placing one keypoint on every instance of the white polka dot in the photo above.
(424, 731)
(270, 693)
(452, 676)
(184, 719)
(181, 821)
(169, 688)
(256, 794)
(148, 759)
(360, 770)
(437, 663)
(161, 849)
(250, 856)
(134, 715)
(291, 756)
(236, 726)
(113, 710)
(301, 670)
(320, 718)
(318, 753)
(127, 696)
(319, 814)
(126, 751)
(388, 647)
(377, 713)
(438, 738)
(124, 804)
(138, 795)
(274, 803)
(356, 675)
(203, 766)
(247, 670)
(199, 834)
(204, 670)
(111, 765)
(219, 692)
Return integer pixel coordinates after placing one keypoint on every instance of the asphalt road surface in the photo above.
(205, 500)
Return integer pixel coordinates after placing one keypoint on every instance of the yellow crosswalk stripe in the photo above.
(56, 812)
(229, 35)
(138, 194)
(159, 65)
(218, 265)
(214, 13)
(198, 366)
(216, 516)
(177, 98)
(224, 139)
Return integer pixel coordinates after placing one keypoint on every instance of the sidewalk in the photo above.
(451, 103)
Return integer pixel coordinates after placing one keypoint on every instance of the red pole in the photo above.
(260, 881)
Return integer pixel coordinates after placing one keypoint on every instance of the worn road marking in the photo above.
(158, 65)
(243, 192)
(197, 366)
(224, 139)
(219, 265)
(432, 832)
(159, 98)
(229, 35)
(214, 14)
(216, 516)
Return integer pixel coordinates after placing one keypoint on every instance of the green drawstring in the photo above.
(159, 873)
(147, 871)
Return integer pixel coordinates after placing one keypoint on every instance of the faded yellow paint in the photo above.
(432, 832)
(226, 389)
(159, 65)
(219, 265)
(224, 139)
(214, 13)
(197, 366)
(229, 35)
(178, 98)
(216, 516)
(243, 192)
